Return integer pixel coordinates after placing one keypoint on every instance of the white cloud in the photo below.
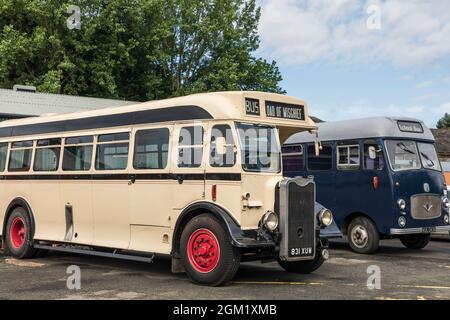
(424, 84)
(413, 32)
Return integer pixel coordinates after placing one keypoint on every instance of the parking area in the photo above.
(404, 274)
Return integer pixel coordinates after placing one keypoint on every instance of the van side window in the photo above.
(190, 147)
(293, 159)
(151, 149)
(348, 157)
(3, 154)
(78, 153)
(377, 163)
(227, 156)
(112, 151)
(20, 156)
(323, 162)
(47, 155)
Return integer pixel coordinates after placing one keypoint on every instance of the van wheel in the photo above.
(207, 253)
(19, 235)
(363, 236)
(303, 267)
(415, 241)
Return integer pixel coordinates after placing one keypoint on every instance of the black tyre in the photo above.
(363, 236)
(303, 267)
(19, 235)
(208, 256)
(415, 241)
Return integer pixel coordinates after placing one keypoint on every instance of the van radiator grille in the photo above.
(424, 207)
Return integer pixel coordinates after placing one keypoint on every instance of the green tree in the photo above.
(134, 49)
(444, 122)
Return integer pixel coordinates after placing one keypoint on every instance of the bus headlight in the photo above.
(402, 222)
(446, 202)
(270, 220)
(446, 219)
(401, 204)
(325, 217)
(445, 193)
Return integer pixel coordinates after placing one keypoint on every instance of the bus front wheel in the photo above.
(19, 235)
(363, 236)
(208, 256)
(415, 241)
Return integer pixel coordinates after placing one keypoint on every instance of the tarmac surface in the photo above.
(403, 274)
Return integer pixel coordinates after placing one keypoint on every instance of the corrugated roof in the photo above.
(35, 104)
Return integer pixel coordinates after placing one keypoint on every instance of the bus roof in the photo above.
(207, 106)
(366, 128)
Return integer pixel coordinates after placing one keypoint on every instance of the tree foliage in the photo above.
(134, 49)
(444, 122)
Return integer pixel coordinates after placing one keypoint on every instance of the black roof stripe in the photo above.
(179, 113)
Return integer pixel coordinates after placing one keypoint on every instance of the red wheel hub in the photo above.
(203, 251)
(18, 233)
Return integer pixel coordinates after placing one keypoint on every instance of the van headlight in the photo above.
(270, 221)
(325, 217)
(401, 204)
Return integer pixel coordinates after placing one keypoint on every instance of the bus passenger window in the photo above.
(47, 155)
(323, 162)
(20, 156)
(226, 157)
(348, 157)
(376, 162)
(112, 151)
(78, 154)
(190, 147)
(151, 149)
(3, 154)
(292, 159)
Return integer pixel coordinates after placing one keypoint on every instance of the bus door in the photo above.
(322, 168)
(188, 164)
(111, 190)
(375, 186)
(152, 189)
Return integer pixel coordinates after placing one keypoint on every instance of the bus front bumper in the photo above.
(425, 230)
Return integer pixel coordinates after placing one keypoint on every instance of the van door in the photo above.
(188, 164)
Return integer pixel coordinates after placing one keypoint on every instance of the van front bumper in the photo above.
(425, 230)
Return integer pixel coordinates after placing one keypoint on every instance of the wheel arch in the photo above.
(18, 203)
(348, 219)
(198, 208)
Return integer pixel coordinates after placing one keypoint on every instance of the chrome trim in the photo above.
(394, 232)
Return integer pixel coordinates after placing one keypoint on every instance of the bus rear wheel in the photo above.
(19, 235)
(208, 256)
(363, 236)
(415, 241)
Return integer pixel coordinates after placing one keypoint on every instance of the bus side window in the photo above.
(227, 156)
(348, 157)
(151, 149)
(293, 159)
(20, 156)
(112, 151)
(78, 153)
(323, 162)
(190, 147)
(3, 154)
(376, 163)
(47, 155)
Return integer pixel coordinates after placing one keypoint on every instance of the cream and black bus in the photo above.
(198, 178)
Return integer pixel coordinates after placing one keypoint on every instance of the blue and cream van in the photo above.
(381, 177)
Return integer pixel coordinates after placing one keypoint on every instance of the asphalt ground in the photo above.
(398, 273)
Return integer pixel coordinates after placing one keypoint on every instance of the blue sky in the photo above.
(357, 58)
